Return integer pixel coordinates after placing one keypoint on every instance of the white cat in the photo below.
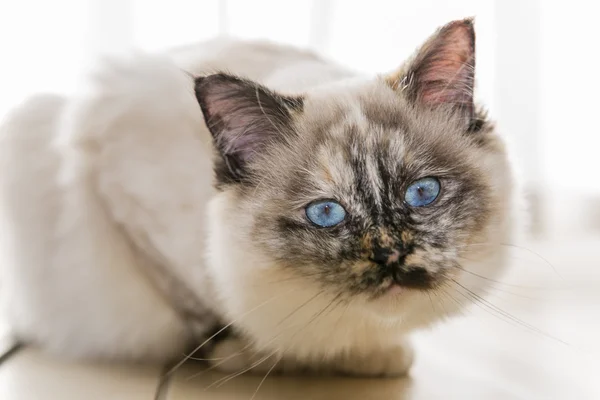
(317, 216)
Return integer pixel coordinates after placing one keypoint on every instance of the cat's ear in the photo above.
(442, 73)
(243, 118)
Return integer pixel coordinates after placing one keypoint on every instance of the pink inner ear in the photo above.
(446, 72)
(241, 119)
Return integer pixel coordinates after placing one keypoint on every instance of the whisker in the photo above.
(191, 354)
(431, 302)
(222, 360)
(461, 306)
(335, 301)
(224, 380)
(545, 260)
(265, 377)
(535, 254)
(293, 278)
(522, 296)
(299, 307)
(249, 345)
(342, 314)
(500, 282)
(497, 311)
(446, 313)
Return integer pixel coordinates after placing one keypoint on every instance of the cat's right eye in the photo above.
(325, 213)
(422, 192)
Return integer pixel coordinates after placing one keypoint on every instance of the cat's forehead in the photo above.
(358, 103)
(370, 120)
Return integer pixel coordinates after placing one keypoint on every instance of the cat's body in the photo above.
(116, 244)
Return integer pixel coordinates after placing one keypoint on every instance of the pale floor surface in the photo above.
(483, 355)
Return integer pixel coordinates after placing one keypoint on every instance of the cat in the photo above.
(319, 215)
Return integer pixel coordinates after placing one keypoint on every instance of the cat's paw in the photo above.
(237, 355)
(392, 362)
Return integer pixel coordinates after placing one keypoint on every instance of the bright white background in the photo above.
(537, 63)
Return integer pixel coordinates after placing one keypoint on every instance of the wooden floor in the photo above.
(484, 355)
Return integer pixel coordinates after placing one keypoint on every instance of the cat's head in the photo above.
(368, 191)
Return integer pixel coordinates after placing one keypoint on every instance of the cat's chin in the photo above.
(409, 308)
(394, 290)
(393, 301)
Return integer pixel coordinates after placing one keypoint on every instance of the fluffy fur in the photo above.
(164, 202)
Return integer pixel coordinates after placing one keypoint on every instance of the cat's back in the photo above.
(280, 67)
(29, 196)
(28, 170)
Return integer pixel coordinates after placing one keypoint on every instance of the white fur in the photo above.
(106, 195)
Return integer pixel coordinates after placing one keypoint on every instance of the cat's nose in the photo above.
(384, 256)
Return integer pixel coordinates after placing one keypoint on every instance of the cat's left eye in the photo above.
(422, 192)
(325, 213)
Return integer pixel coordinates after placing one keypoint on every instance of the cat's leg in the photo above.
(235, 355)
(392, 361)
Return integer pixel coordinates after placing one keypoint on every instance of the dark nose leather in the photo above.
(381, 256)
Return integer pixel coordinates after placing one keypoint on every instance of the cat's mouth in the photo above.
(413, 277)
(401, 279)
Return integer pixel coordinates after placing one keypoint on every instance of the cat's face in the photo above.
(355, 169)
(368, 190)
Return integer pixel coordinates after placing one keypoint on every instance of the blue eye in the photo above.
(422, 192)
(325, 213)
